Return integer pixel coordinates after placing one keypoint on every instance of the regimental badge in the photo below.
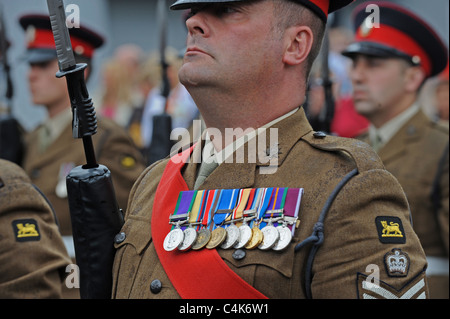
(128, 162)
(397, 263)
(414, 289)
(26, 230)
(390, 230)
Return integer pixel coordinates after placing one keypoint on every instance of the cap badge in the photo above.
(30, 34)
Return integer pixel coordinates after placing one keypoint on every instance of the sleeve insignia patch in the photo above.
(390, 230)
(397, 263)
(377, 289)
(26, 230)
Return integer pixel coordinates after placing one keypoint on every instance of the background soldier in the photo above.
(51, 151)
(246, 66)
(390, 64)
(33, 258)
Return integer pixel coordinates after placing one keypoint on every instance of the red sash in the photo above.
(195, 274)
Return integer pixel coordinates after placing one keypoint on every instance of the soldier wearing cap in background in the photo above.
(33, 258)
(390, 63)
(246, 66)
(51, 151)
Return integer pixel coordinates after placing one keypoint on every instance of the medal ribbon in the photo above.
(265, 200)
(227, 202)
(205, 275)
(292, 205)
(184, 205)
(196, 207)
(276, 203)
(244, 194)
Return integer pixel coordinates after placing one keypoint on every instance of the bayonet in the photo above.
(84, 123)
(66, 58)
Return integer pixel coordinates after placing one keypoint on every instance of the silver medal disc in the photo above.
(173, 239)
(271, 236)
(285, 238)
(245, 234)
(190, 235)
(232, 237)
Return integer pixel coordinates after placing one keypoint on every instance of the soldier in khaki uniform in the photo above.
(33, 258)
(246, 67)
(51, 151)
(390, 64)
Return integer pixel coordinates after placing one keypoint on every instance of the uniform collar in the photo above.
(390, 128)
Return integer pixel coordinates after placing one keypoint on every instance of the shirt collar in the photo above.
(390, 128)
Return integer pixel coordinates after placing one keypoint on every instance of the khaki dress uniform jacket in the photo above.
(417, 155)
(114, 149)
(353, 246)
(32, 254)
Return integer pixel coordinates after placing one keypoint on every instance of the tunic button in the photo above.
(155, 286)
(119, 238)
(239, 254)
(319, 134)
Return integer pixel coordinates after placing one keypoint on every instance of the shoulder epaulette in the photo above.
(363, 155)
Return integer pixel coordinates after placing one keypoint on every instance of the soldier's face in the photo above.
(230, 46)
(46, 89)
(379, 86)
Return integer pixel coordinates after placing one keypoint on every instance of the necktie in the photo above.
(204, 171)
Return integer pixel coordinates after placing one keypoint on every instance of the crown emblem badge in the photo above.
(397, 263)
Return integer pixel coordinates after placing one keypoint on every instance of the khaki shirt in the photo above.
(33, 258)
(354, 248)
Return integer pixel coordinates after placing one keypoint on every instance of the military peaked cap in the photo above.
(41, 44)
(400, 33)
(321, 7)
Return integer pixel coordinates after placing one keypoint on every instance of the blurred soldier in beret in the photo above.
(390, 64)
(33, 258)
(246, 67)
(51, 151)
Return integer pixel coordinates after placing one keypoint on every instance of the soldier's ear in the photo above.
(299, 41)
(415, 76)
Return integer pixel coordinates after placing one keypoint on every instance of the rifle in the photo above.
(94, 211)
(161, 144)
(11, 132)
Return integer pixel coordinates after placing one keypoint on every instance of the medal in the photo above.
(285, 238)
(204, 234)
(203, 237)
(233, 232)
(271, 234)
(173, 239)
(290, 220)
(190, 235)
(176, 235)
(232, 237)
(224, 210)
(270, 237)
(245, 234)
(245, 231)
(256, 240)
(218, 236)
